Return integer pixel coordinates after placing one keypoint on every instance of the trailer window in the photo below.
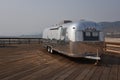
(90, 36)
(95, 34)
(87, 34)
(64, 31)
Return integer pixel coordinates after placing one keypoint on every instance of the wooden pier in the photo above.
(33, 62)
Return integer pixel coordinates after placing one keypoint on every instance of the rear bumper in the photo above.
(88, 56)
(93, 57)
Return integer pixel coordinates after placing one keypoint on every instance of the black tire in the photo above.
(48, 49)
(51, 50)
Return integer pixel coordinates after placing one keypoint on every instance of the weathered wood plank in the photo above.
(78, 71)
(84, 73)
(22, 73)
(105, 74)
(42, 74)
(53, 72)
(90, 73)
(65, 74)
(32, 62)
(118, 72)
(97, 74)
(113, 73)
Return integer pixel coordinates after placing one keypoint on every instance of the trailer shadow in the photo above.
(83, 60)
(106, 59)
(76, 60)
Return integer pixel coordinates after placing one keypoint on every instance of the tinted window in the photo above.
(87, 34)
(90, 36)
(95, 34)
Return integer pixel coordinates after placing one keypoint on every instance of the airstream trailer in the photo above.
(75, 39)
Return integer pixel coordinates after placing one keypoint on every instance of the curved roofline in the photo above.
(79, 24)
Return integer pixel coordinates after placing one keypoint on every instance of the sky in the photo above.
(26, 17)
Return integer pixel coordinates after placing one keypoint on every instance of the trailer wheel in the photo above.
(51, 50)
(48, 49)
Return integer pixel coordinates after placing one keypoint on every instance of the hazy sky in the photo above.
(18, 17)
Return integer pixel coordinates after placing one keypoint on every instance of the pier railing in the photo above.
(8, 41)
(113, 47)
(110, 46)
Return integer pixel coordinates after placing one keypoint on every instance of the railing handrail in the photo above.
(112, 47)
(15, 40)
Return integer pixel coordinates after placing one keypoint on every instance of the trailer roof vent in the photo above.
(65, 21)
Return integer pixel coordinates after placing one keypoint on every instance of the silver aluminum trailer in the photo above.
(75, 39)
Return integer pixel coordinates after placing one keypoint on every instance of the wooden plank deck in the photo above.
(32, 62)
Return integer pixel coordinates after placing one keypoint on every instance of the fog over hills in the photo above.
(111, 29)
(111, 26)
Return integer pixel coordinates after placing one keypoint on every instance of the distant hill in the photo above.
(111, 29)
